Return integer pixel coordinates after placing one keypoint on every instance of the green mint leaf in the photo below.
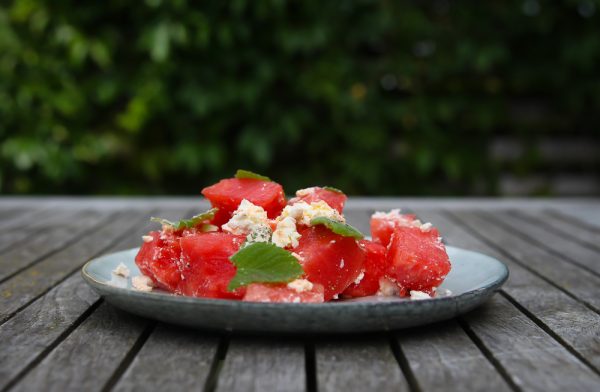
(340, 228)
(332, 189)
(262, 262)
(248, 174)
(189, 223)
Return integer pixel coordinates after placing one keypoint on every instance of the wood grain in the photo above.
(358, 365)
(172, 358)
(36, 279)
(571, 279)
(442, 355)
(49, 241)
(27, 335)
(536, 232)
(263, 364)
(88, 357)
(531, 358)
(47, 321)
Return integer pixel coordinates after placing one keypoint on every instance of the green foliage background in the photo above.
(374, 97)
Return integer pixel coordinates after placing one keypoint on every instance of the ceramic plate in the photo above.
(473, 279)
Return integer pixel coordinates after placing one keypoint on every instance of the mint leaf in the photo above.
(248, 174)
(262, 262)
(190, 223)
(332, 189)
(340, 228)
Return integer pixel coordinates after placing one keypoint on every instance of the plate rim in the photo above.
(220, 302)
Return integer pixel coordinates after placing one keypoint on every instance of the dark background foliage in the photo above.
(374, 97)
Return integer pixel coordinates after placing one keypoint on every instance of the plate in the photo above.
(473, 279)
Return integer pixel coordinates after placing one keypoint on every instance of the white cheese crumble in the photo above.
(303, 212)
(305, 191)
(359, 278)
(285, 233)
(259, 233)
(395, 218)
(426, 227)
(387, 288)
(395, 213)
(142, 283)
(245, 218)
(121, 270)
(147, 238)
(300, 285)
(418, 295)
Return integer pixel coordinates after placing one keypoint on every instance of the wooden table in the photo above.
(541, 332)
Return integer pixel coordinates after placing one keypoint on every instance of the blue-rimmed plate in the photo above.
(473, 279)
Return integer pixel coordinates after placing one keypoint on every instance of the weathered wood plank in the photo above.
(88, 357)
(42, 324)
(27, 335)
(536, 232)
(441, 357)
(34, 224)
(173, 357)
(532, 359)
(571, 279)
(35, 280)
(358, 365)
(255, 364)
(48, 242)
(569, 320)
(23, 217)
(570, 228)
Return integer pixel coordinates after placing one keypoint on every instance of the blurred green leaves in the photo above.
(374, 97)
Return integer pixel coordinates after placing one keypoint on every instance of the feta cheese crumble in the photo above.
(245, 218)
(359, 278)
(259, 233)
(300, 285)
(285, 233)
(121, 270)
(305, 191)
(147, 238)
(142, 283)
(387, 288)
(303, 212)
(417, 295)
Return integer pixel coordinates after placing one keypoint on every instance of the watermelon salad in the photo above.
(256, 245)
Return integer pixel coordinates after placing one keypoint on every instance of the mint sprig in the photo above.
(262, 262)
(191, 222)
(248, 174)
(340, 228)
(332, 189)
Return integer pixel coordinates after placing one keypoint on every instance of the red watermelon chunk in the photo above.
(159, 259)
(383, 224)
(335, 200)
(227, 194)
(418, 258)
(329, 259)
(259, 292)
(375, 266)
(206, 268)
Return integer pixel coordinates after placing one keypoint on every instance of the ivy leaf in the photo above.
(332, 189)
(192, 222)
(340, 228)
(248, 174)
(262, 262)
